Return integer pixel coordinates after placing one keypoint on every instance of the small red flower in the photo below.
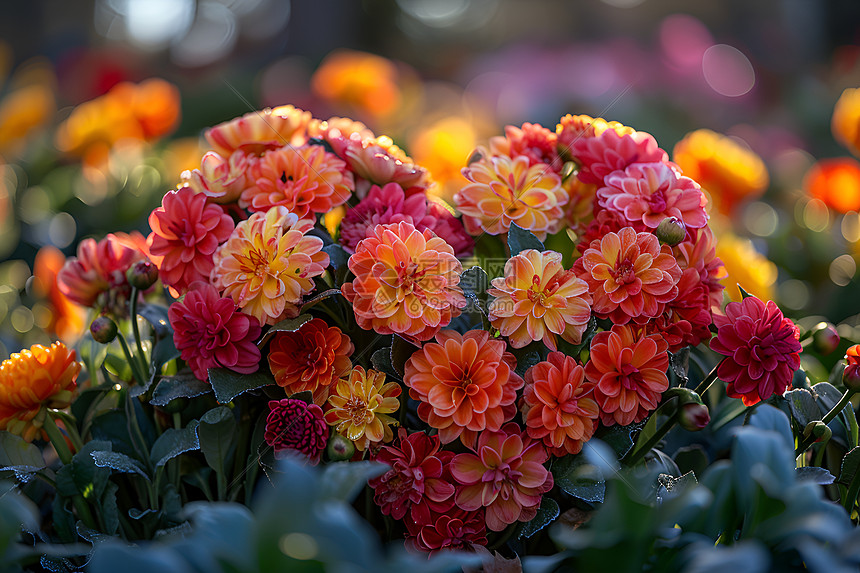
(296, 425)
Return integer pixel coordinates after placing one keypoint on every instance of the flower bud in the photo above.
(851, 374)
(671, 231)
(693, 417)
(825, 339)
(339, 448)
(142, 275)
(103, 329)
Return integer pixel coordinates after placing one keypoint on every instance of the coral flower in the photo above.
(687, 319)
(845, 123)
(728, 171)
(465, 383)
(269, 263)
(610, 151)
(295, 425)
(532, 140)
(699, 251)
(210, 332)
(259, 131)
(67, 318)
(650, 192)
(572, 128)
(762, 349)
(220, 179)
(538, 300)
(310, 359)
(305, 180)
(504, 474)
(628, 369)
(30, 380)
(406, 282)
(559, 407)
(186, 231)
(418, 481)
(630, 276)
(746, 267)
(503, 190)
(454, 530)
(377, 161)
(851, 374)
(360, 406)
(836, 182)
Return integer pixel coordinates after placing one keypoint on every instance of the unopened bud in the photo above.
(142, 275)
(339, 448)
(671, 231)
(103, 330)
(693, 417)
(825, 339)
(851, 377)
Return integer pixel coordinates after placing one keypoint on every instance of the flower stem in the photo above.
(705, 384)
(69, 423)
(136, 329)
(59, 443)
(132, 362)
(828, 417)
(635, 455)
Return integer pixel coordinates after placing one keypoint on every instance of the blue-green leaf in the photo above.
(546, 514)
(174, 442)
(520, 239)
(228, 384)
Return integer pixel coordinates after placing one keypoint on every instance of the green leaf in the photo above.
(679, 365)
(92, 353)
(527, 357)
(112, 426)
(768, 417)
(475, 282)
(289, 325)
(118, 462)
(401, 350)
(850, 466)
(164, 351)
(343, 480)
(228, 384)
(109, 510)
(691, 458)
(19, 456)
(803, 406)
(305, 396)
(338, 260)
(744, 294)
(82, 475)
(156, 315)
(814, 475)
(519, 240)
(381, 361)
(319, 298)
(620, 438)
(217, 435)
(546, 514)
(170, 388)
(174, 442)
(576, 477)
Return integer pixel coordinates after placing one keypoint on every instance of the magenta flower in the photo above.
(601, 155)
(298, 426)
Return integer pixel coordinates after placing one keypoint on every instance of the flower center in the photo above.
(624, 273)
(356, 409)
(657, 201)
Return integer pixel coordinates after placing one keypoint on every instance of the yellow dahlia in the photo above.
(34, 379)
(269, 263)
(504, 190)
(538, 300)
(745, 266)
(259, 131)
(845, 123)
(360, 406)
(573, 127)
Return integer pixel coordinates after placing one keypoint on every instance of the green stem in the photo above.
(222, 484)
(70, 424)
(709, 379)
(65, 455)
(851, 494)
(132, 361)
(136, 329)
(634, 456)
(809, 440)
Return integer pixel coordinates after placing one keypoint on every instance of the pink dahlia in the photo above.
(298, 426)
(377, 161)
(186, 231)
(650, 192)
(600, 155)
(220, 179)
(532, 141)
(210, 332)
(699, 251)
(761, 347)
(453, 530)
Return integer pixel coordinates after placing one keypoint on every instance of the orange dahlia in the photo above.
(310, 359)
(628, 369)
(220, 179)
(503, 190)
(630, 276)
(406, 282)
(559, 407)
(34, 379)
(845, 123)
(570, 128)
(268, 264)
(465, 383)
(538, 300)
(259, 131)
(360, 406)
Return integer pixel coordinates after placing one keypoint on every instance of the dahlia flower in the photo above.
(836, 182)
(604, 222)
(331, 129)
(851, 374)
(579, 211)
(686, 319)
(298, 426)
(533, 141)
(465, 384)
(454, 530)
(269, 263)
(630, 276)
(504, 474)
(558, 405)
(406, 282)
(628, 369)
(845, 123)
(503, 190)
(360, 406)
(572, 128)
(186, 231)
(209, 332)
(418, 481)
(305, 180)
(310, 359)
(600, 155)
(259, 131)
(538, 300)
(219, 178)
(30, 380)
(377, 161)
(762, 349)
(699, 251)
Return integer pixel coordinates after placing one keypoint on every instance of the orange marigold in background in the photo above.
(30, 380)
(628, 369)
(259, 131)
(845, 123)
(406, 282)
(836, 182)
(730, 172)
(360, 406)
(310, 359)
(538, 300)
(366, 83)
(745, 266)
(465, 383)
(558, 404)
(67, 318)
(24, 111)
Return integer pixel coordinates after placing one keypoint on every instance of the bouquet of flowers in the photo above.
(494, 367)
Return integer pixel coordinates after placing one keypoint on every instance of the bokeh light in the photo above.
(727, 70)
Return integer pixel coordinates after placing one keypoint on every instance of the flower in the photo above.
(305, 180)
(360, 406)
(628, 369)
(572, 128)
(465, 384)
(365, 82)
(220, 179)
(746, 267)
(258, 131)
(66, 317)
(686, 320)
(209, 332)
(30, 380)
(533, 141)
(23, 112)
(650, 192)
(730, 172)
(454, 530)
(418, 481)
(377, 161)
(612, 150)
(503, 190)
(298, 426)
(630, 276)
(538, 300)
(186, 231)
(558, 406)
(440, 147)
(699, 251)
(406, 282)
(446, 226)
(310, 359)
(845, 123)
(851, 374)
(836, 182)
(504, 474)
(604, 222)
(761, 347)
(268, 264)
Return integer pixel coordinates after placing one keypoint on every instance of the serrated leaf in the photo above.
(156, 315)
(576, 477)
(401, 350)
(174, 442)
(19, 456)
(814, 474)
(620, 438)
(228, 384)
(82, 475)
(381, 362)
(289, 325)
(170, 388)
(217, 434)
(546, 514)
(850, 466)
(118, 462)
(520, 239)
(803, 406)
